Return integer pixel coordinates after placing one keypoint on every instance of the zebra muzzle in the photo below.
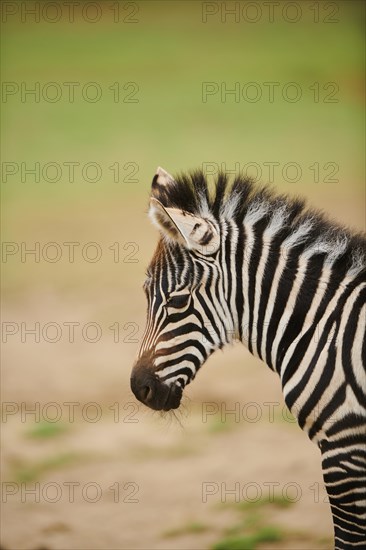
(152, 392)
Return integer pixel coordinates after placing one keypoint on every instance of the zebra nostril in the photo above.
(147, 393)
(143, 385)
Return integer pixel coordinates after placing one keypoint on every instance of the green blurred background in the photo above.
(158, 55)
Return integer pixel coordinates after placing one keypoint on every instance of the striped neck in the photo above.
(276, 288)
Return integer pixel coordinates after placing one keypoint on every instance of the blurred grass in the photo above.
(46, 430)
(217, 425)
(253, 529)
(279, 501)
(193, 527)
(250, 542)
(32, 471)
(169, 53)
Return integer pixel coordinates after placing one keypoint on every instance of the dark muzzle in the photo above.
(151, 391)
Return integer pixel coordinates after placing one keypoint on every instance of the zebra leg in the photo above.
(344, 473)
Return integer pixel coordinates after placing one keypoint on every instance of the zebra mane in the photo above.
(244, 201)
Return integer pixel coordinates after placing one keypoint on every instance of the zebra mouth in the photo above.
(173, 398)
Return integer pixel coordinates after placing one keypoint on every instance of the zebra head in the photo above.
(184, 324)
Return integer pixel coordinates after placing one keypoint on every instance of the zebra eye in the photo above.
(179, 301)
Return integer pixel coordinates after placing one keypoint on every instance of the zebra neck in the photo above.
(275, 298)
(281, 287)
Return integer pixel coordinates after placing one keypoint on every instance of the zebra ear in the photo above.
(161, 183)
(194, 232)
(162, 178)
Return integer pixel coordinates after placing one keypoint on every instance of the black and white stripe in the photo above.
(242, 263)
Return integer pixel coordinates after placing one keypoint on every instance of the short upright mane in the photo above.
(244, 201)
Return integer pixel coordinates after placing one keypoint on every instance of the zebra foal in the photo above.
(242, 263)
